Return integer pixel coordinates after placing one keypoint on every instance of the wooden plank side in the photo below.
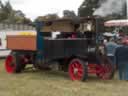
(21, 42)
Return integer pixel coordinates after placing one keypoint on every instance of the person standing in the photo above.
(110, 48)
(121, 59)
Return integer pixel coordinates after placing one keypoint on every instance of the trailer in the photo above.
(76, 48)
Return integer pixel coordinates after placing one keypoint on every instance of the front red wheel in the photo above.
(105, 71)
(77, 70)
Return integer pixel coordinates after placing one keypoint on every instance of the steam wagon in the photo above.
(76, 47)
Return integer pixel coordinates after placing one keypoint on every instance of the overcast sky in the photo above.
(34, 8)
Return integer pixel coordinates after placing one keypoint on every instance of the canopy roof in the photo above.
(108, 34)
(68, 24)
(111, 23)
(75, 20)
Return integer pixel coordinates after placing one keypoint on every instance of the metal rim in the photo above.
(76, 70)
(10, 64)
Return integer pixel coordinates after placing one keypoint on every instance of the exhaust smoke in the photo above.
(110, 7)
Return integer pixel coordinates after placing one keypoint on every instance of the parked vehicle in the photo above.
(76, 48)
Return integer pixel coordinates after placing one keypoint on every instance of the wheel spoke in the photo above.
(80, 73)
(76, 64)
(80, 70)
(73, 66)
(80, 66)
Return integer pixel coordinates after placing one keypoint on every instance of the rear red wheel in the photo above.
(77, 70)
(10, 64)
(14, 63)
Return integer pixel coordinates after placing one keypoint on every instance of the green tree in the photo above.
(5, 11)
(9, 15)
(69, 14)
(88, 7)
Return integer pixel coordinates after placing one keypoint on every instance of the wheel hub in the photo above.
(75, 71)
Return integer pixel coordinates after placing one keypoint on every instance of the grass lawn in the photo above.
(42, 83)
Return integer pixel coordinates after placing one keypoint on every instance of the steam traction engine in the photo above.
(76, 48)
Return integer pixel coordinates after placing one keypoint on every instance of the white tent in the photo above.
(116, 23)
(109, 34)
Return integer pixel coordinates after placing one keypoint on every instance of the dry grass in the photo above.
(37, 83)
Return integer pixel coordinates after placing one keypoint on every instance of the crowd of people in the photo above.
(117, 51)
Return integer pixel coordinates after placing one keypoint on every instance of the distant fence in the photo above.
(5, 26)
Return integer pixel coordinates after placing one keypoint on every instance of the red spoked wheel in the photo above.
(10, 64)
(77, 70)
(105, 71)
(14, 63)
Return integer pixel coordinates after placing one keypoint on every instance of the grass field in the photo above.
(52, 83)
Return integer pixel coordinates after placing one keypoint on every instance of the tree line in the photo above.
(9, 15)
(87, 8)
